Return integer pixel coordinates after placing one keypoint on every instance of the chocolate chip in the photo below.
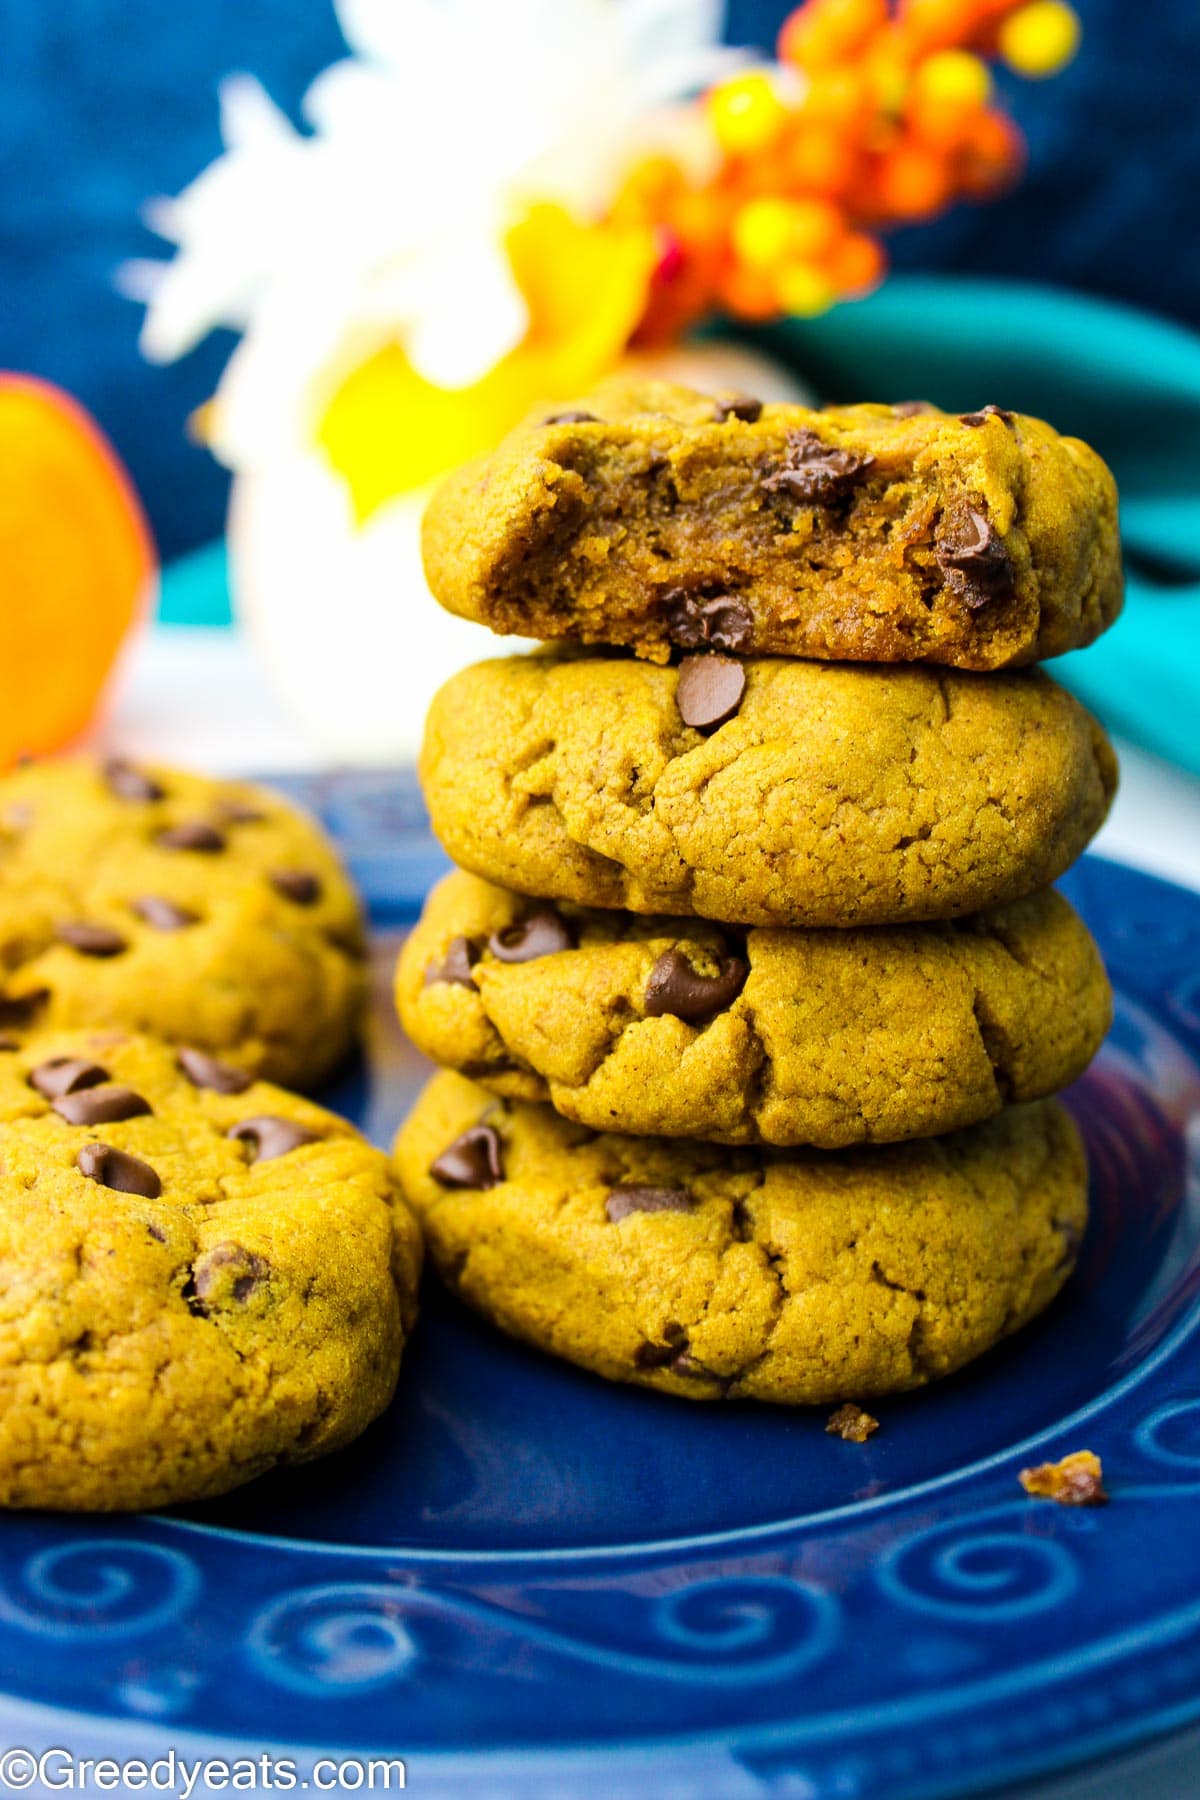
(721, 621)
(7, 1043)
(984, 414)
(118, 1170)
(632, 1199)
(817, 472)
(91, 940)
(193, 834)
(738, 406)
(269, 1136)
(571, 418)
(297, 884)
(473, 1160)
(674, 987)
(204, 1071)
(66, 1075)
(910, 409)
(101, 1105)
(541, 932)
(239, 812)
(654, 1356)
(230, 1268)
(163, 915)
(130, 783)
(709, 690)
(19, 1009)
(455, 967)
(974, 561)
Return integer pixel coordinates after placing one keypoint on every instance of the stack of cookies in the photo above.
(755, 991)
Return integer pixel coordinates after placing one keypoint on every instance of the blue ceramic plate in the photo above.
(526, 1581)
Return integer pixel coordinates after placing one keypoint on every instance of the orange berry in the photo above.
(804, 290)
(912, 182)
(857, 264)
(938, 24)
(837, 98)
(992, 156)
(747, 113)
(820, 161)
(770, 231)
(824, 32)
(748, 294)
(954, 77)
(78, 565)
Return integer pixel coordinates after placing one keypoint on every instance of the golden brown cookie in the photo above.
(654, 516)
(206, 912)
(764, 792)
(673, 1027)
(801, 1277)
(200, 1278)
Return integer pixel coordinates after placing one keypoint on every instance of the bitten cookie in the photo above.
(673, 1027)
(206, 912)
(200, 1278)
(763, 792)
(654, 516)
(801, 1277)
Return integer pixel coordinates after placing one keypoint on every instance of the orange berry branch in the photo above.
(878, 113)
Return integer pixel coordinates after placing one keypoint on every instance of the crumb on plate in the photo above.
(1074, 1481)
(851, 1423)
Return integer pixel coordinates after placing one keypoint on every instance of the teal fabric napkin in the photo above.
(1127, 382)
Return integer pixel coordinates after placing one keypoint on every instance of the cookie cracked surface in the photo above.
(800, 1277)
(193, 1290)
(207, 912)
(668, 1026)
(833, 795)
(657, 517)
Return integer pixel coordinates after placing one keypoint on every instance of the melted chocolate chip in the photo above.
(817, 472)
(299, 885)
(66, 1075)
(541, 932)
(240, 812)
(674, 987)
(911, 409)
(20, 1009)
(657, 1356)
(633, 1199)
(974, 561)
(738, 406)
(473, 1160)
(204, 1071)
(455, 967)
(7, 1043)
(984, 414)
(719, 622)
(709, 690)
(163, 915)
(193, 834)
(269, 1136)
(130, 783)
(91, 940)
(118, 1170)
(228, 1271)
(101, 1105)
(571, 418)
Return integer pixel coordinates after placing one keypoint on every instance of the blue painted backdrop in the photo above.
(104, 102)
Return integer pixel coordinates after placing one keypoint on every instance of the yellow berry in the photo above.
(1040, 39)
(954, 77)
(804, 290)
(770, 231)
(746, 113)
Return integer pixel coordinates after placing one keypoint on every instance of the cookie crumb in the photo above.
(851, 1423)
(1074, 1481)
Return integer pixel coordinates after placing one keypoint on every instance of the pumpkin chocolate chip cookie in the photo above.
(205, 912)
(657, 517)
(673, 1027)
(200, 1278)
(797, 1277)
(763, 792)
